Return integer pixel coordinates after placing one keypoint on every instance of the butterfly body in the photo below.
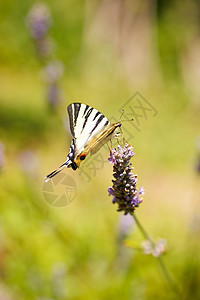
(90, 130)
(94, 145)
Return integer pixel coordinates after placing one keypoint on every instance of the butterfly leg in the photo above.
(123, 140)
(109, 149)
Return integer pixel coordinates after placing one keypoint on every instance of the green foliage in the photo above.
(74, 252)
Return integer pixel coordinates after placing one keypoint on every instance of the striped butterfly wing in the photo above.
(86, 123)
(90, 130)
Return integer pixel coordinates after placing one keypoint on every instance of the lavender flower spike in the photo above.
(124, 189)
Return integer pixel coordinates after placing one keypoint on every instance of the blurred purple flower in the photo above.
(53, 94)
(52, 74)
(124, 189)
(45, 47)
(53, 71)
(39, 20)
(29, 162)
(125, 225)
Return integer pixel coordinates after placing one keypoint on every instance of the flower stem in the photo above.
(160, 260)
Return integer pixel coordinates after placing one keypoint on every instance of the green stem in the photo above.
(160, 260)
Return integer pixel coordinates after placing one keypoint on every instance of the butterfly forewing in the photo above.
(86, 123)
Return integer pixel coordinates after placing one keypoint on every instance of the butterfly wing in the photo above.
(90, 130)
(86, 123)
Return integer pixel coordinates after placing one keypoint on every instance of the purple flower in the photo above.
(112, 159)
(39, 21)
(125, 225)
(53, 71)
(142, 191)
(110, 191)
(29, 162)
(124, 189)
(53, 95)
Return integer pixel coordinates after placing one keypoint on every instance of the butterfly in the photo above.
(90, 130)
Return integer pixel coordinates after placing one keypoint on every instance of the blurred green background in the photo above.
(104, 52)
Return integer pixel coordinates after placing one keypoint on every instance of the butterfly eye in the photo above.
(82, 157)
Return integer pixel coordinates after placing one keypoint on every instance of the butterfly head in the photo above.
(76, 163)
(73, 165)
(118, 124)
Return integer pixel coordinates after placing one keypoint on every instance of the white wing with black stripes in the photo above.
(85, 124)
(90, 130)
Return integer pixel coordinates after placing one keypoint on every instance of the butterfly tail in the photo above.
(54, 173)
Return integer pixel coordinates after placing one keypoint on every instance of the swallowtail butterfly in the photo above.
(90, 130)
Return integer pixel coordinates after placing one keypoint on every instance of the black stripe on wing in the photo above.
(86, 117)
(77, 107)
(91, 115)
(73, 111)
(71, 122)
(96, 115)
(87, 106)
(98, 122)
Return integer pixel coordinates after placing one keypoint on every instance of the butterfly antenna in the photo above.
(127, 120)
(123, 111)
